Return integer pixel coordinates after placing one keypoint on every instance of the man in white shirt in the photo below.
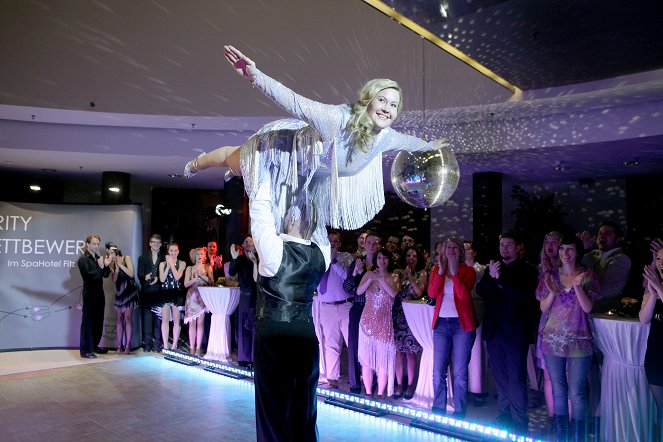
(286, 353)
(334, 310)
(609, 262)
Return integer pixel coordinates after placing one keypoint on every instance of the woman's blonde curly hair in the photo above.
(360, 124)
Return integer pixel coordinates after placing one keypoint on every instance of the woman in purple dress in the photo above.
(566, 338)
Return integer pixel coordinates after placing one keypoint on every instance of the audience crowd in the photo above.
(509, 325)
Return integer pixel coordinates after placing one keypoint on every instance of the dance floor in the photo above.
(54, 395)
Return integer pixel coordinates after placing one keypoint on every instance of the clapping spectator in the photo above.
(377, 349)
(198, 275)
(454, 324)
(126, 296)
(170, 274)
(413, 279)
(652, 312)
(566, 299)
(549, 264)
(244, 266)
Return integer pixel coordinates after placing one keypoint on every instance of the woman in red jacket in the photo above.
(454, 324)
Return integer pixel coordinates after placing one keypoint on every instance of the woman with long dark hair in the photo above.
(567, 297)
(126, 296)
(377, 349)
(413, 279)
(652, 312)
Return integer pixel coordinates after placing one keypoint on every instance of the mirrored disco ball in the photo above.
(425, 179)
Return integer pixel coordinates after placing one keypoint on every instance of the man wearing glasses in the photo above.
(148, 274)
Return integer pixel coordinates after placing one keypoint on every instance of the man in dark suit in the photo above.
(508, 289)
(93, 269)
(286, 354)
(148, 275)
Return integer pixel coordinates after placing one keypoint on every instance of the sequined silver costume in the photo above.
(314, 157)
(377, 348)
(194, 306)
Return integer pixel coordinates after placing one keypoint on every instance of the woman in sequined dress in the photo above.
(126, 296)
(170, 274)
(413, 279)
(327, 153)
(199, 274)
(377, 348)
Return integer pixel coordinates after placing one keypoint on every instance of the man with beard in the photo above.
(508, 289)
(609, 262)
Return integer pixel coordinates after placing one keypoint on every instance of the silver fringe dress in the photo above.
(313, 157)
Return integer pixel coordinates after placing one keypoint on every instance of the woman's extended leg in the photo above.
(226, 156)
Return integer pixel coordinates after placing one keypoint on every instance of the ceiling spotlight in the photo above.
(114, 189)
(175, 175)
(221, 210)
(632, 163)
(35, 187)
(443, 9)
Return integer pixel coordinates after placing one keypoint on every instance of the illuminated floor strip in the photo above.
(420, 419)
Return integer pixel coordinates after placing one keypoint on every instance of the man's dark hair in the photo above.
(614, 226)
(512, 235)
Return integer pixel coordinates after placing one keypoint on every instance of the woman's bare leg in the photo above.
(200, 329)
(411, 367)
(165, 325)
(119, 330)
(226, 156)
(176, 326)
(367, 376)
(192, 336)
(128, 330)
(382, 382)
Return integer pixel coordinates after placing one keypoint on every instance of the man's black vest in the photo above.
(288, 295)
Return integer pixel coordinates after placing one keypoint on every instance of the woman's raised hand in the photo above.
(651, 275)
(550, 284)
(577, 281)
(242, 64)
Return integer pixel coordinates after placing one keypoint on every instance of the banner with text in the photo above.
(40, 292)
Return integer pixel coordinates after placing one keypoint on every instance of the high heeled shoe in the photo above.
(398, 391)
(409, 393)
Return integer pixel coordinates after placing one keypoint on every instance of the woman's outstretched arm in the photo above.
(327, 119)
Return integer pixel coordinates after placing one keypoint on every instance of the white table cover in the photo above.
(419, 316)
(221, 302)
(627, 404)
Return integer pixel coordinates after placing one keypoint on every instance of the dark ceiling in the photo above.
(537, 44)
